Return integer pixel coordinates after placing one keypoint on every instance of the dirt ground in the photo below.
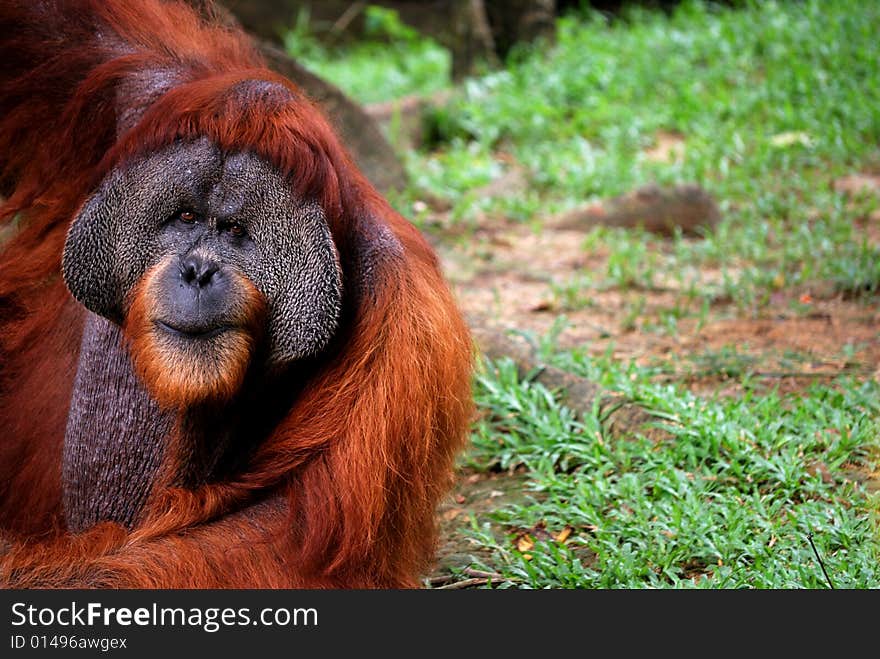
(820, 329)
(510, 274)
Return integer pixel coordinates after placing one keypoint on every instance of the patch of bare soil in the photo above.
(519, 279)
(475, 494)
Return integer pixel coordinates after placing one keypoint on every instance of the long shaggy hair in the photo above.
(342, 491)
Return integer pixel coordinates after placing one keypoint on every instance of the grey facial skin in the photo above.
(114, 438)
(116, 433)
(138, 91)
(286, 250)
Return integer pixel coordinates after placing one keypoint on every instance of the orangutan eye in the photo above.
(235, 229)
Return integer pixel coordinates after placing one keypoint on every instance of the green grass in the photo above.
(727, 498)
(392, 61)
(774, 100)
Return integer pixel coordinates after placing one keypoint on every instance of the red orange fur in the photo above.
(181, 379)
(343, 492)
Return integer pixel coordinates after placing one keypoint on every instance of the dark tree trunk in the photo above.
(520, 21)
(475, 31)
